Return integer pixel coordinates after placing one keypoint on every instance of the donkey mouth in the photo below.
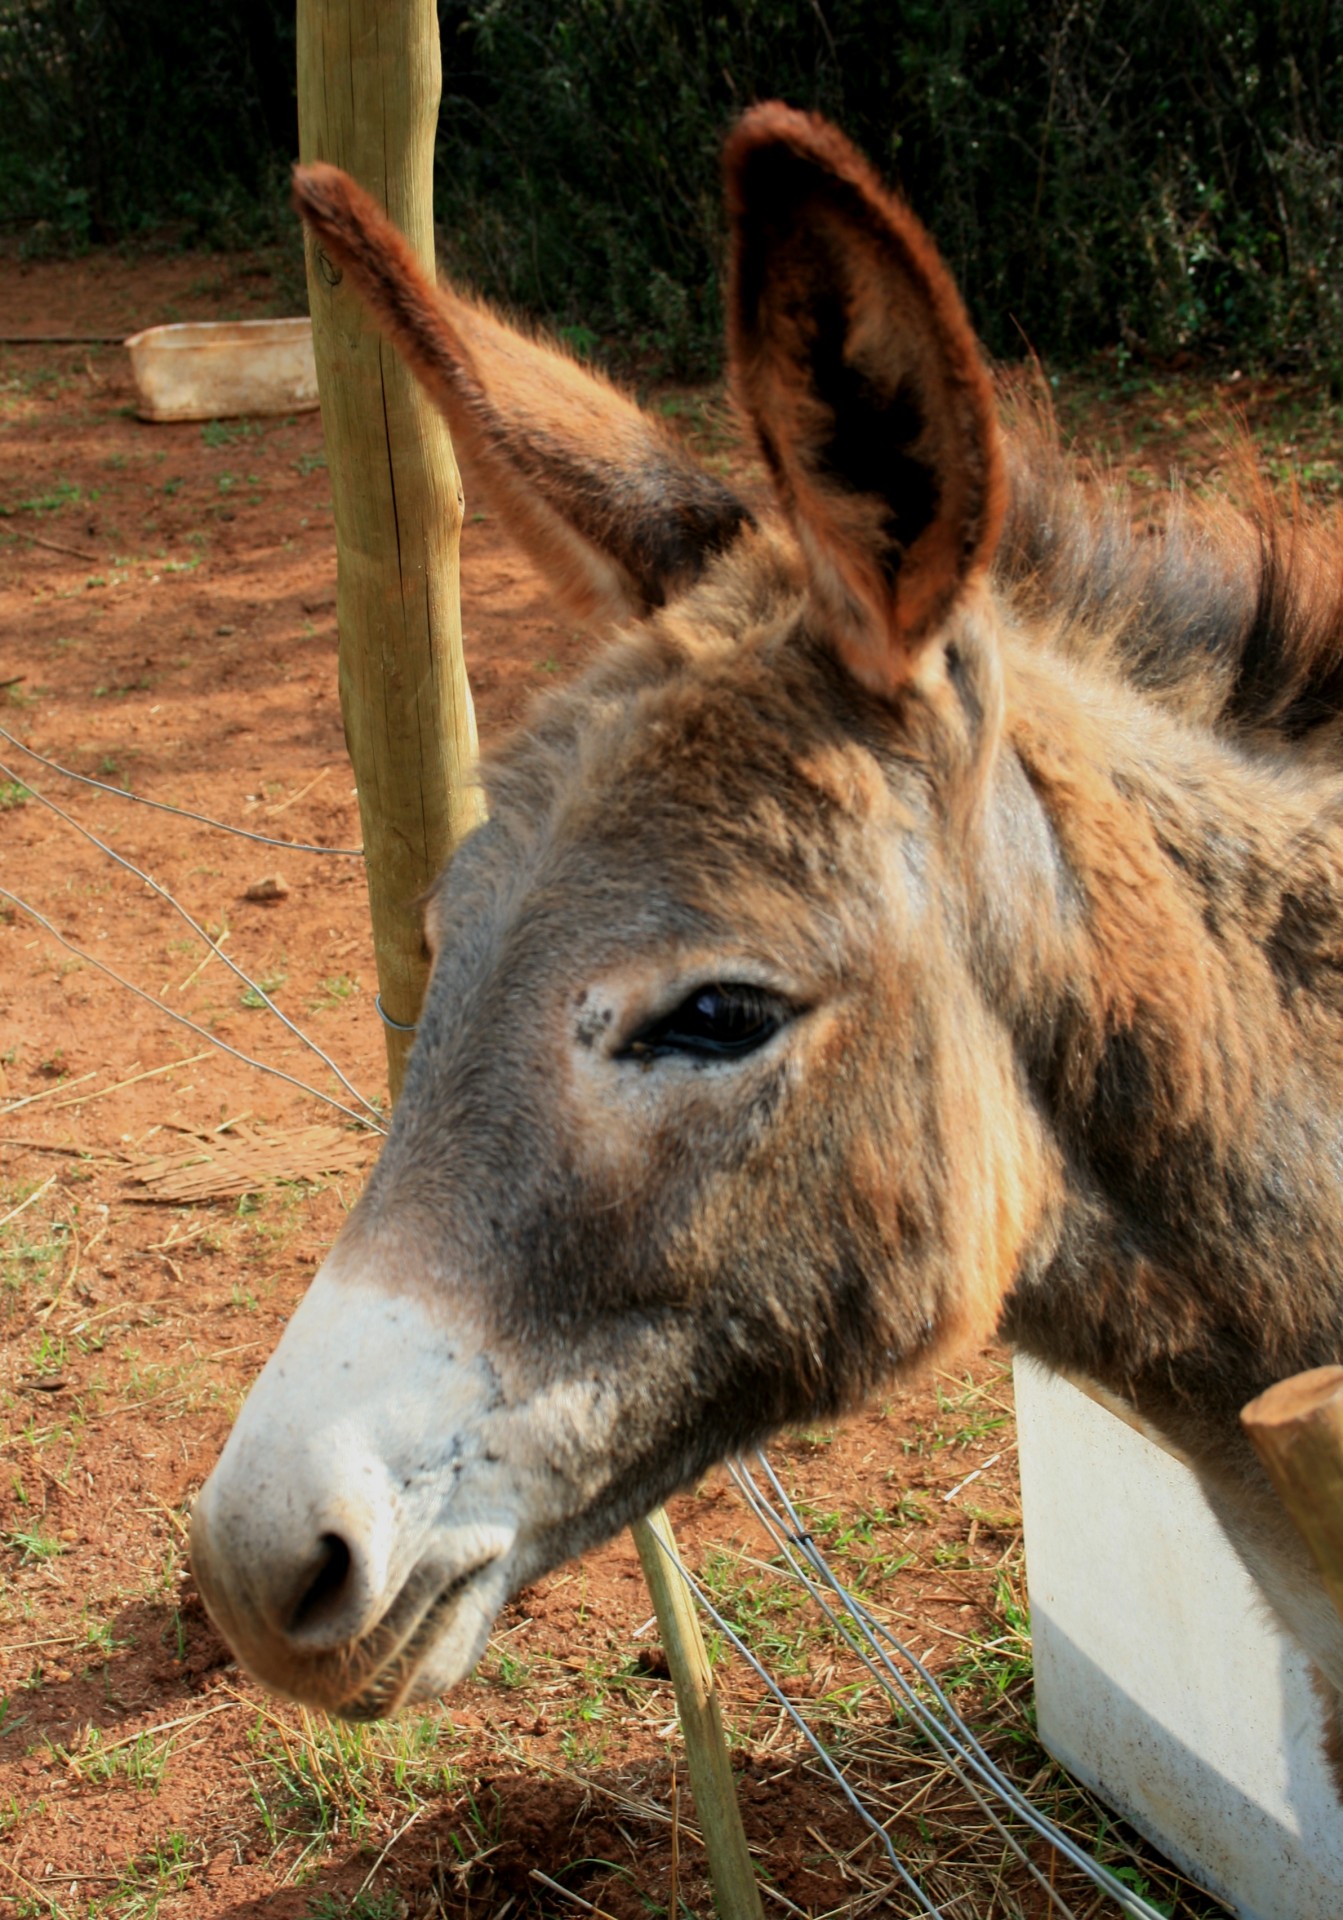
(428, 1638)
(416, 1629)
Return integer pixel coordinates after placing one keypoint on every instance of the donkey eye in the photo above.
(720, 1021)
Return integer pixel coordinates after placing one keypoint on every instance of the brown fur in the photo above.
(610, 505)
(1031, 829)
(827, 267)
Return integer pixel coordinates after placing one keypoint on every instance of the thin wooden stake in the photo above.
(48, 1093)
(59, 546)
(150, 1073)
(735, 1892)
(1296, 1428)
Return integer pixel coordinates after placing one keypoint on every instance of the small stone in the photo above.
(272, 886)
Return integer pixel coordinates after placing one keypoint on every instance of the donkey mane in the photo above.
(1233, 617)
(1227, 617)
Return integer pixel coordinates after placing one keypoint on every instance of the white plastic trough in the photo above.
(218, 369)
(1159, 1679)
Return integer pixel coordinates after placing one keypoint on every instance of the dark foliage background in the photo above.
(1149, 175)
(118, 116)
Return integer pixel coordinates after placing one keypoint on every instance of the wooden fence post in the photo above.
(369, 78)
(1296, 1428)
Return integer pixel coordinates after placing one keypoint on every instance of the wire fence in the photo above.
(368, 1115)
(913, 1690)
(163, 806)
(900, 1673)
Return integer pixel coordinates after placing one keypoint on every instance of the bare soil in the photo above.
(167, 626)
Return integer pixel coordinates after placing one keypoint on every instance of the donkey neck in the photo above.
(1179, 1020)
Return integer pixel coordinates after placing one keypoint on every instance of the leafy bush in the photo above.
(126, 114)
(1145, 175)
(1153, 176)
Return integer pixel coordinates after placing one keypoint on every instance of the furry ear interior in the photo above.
(856, 364)
(614, 511)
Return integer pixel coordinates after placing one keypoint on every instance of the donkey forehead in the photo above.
(722, 784)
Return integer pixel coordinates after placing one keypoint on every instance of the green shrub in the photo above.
(1151, 176)
(126, 114)
(1141, 175)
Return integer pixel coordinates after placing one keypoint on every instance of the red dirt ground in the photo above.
(167, 624)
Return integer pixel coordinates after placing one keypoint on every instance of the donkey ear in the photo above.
(617, 515)
(860, 373)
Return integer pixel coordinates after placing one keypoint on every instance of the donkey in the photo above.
(922, 924)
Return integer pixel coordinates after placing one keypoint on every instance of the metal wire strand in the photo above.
(868, 1819)
(957, 1738)
(162, 806)
(374, 1125)
(790, 1532)
(936, 1733)
(252, 985)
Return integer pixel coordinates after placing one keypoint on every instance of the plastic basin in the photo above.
(210, 370)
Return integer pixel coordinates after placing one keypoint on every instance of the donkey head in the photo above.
(712, 1120)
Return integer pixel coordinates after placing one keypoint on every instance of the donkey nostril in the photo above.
(325, 1590)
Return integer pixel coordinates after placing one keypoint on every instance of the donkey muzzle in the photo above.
(357, 1537)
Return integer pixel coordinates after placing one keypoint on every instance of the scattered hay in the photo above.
(242, 1159)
